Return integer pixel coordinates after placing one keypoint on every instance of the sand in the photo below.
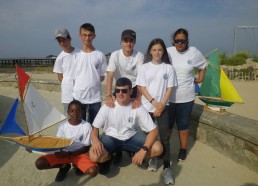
(204, 166)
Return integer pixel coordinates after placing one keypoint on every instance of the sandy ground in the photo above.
(204, 166)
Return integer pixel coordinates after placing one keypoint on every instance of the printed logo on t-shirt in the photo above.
(134, 67)
(190, 62)
(130, 120)
(97, 66)
(165, 76)
(81, 138)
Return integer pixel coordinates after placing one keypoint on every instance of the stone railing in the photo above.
(231, 135)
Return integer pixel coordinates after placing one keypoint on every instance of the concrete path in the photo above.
(203, 167)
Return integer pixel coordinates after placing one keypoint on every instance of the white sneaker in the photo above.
(153, 165)
(167, 175)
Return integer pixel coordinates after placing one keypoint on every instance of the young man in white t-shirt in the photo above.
(90, 72)
(120, 126)
(124, 63)
(65, 65)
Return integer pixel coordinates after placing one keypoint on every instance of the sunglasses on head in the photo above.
(182, 41)
(124, 91)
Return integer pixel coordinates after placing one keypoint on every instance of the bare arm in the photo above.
(97, 146)
(201, 76)
(109, 101)
(150, 139)
(64, 154)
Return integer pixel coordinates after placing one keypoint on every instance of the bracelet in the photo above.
(152, 99)
(145, 148)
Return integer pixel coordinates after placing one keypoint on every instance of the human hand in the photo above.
(139, 157)
(28, 150)
(110, 102)
(136, 103)
(97, 148)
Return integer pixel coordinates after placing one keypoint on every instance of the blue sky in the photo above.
(27, 26)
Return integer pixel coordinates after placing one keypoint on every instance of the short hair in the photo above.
(88, 27)
(74, 102)
(123, 81)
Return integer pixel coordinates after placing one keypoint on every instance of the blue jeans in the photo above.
(93, 110)
(180, 113)
(134, 144)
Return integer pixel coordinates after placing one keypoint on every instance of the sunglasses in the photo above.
(124, 91)
(182, 41)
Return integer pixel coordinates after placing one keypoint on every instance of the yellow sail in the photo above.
(227, 90)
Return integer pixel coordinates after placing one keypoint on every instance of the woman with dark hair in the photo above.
(185, 60)
(155, 80)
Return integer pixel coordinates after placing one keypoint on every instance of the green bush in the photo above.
(255, 59)
(242, 54)
(234, 61)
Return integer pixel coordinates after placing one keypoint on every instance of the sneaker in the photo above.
(182, 155)
(105, 167)
(167, 176)
(77, 171)
(62, 173)
(117, 157)
(153, 164)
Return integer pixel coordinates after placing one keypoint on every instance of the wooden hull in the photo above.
(42, 143)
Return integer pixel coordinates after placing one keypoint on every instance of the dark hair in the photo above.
(123, 81)
(69, 37)
(88, 27)
(181, 31)
(164, 58)
(74, 102)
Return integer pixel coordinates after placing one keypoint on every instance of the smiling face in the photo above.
(74, 113)
(127, 46)
(180, 42)
(87, 36)
(123, 95)
(65, 43)
(156, 52)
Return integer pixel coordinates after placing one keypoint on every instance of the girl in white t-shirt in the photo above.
(156, 79)
(184, 60)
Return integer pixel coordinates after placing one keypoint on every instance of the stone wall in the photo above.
(233, 136)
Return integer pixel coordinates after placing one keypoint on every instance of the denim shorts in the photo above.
(180, 113)
(134, 144)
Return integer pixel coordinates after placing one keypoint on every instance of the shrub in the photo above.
(234, 61)
(242, 54)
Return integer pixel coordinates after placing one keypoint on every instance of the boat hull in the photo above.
(216, 102)
(42, 143)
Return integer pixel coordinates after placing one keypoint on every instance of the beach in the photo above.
(204, 166)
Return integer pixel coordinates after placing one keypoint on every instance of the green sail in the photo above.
(211, 84)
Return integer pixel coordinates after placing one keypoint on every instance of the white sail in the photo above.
(39, 113)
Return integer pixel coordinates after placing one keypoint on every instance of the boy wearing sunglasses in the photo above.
(120, 132)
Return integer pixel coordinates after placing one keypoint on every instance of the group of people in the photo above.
(155, 87)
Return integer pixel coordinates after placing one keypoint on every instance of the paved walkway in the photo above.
(203, 167)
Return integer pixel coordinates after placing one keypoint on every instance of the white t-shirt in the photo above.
(125, 66)
(80, 134)
(156, 78)
(122, 122)
(65, 64)
(89, 69)
(184, 64)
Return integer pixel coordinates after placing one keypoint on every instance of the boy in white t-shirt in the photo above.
(90, 72)
(79, 131)
(64, 65)
(120, 126)
(124, 63)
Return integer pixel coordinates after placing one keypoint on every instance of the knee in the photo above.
(157, 148)
(40, 163)
(92, 171)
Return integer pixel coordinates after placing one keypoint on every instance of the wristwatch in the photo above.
(145, 148)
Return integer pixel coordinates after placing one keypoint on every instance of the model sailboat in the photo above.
(39, 115)
(216, 89)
